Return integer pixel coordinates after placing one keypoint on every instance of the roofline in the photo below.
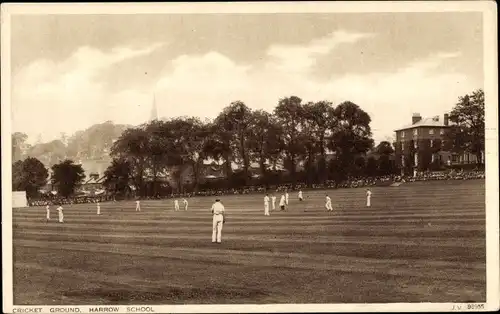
(422, 126)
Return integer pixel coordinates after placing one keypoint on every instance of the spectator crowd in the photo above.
(352, 182)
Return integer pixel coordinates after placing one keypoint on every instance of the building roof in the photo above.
(427, 122)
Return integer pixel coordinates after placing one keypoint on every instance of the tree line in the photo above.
(313, 141)
(299, 137)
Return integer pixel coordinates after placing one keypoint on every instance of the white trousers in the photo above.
(48, 215)
(98, 210)
(217, 228)
(368, 201)
(329, 207)
(61, 217)
(138, 208)
(185, 207)
(266, 210)
(274, 205)
(176, 207)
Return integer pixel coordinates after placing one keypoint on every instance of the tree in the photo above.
(371, 167)
(351, 136)
(320, 119)
(18, 143)
(94, 142)
(133, 146)
(234, 126)
(29, 175)
(49, 153)
(265, 141)
(190, 139)
(384, 148)
(66, 175)
(466, 133)
(117, 176)
(290, 114)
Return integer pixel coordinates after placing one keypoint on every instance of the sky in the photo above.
(72, 71)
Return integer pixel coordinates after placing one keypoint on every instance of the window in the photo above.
(403, 134)
(415, 132)
(433, 158)
(415, 144)
(432, 143)
(431, 131)
(416, 159)
(441, 131)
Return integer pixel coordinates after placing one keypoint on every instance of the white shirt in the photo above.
(137, 202)
(60, 209)
(273, 198)
(185, 202)
(217, 208)
(282, 200)
(266, 200)
(368, 194)
(328, 200)
(286, 195)
(47, 208)
(176, 202)
(98, 205)
(300, 194)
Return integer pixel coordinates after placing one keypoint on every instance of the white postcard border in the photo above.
(489, 10)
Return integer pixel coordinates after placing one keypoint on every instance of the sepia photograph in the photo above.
(250, 157)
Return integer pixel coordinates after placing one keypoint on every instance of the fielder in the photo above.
(282, 202)
(266, 205)
(176, 205)
(300, 196)
(61, 215)
(328, 204)
(185, 202)
(137, 206)
(98, 208)
(368, 197)
(273, 200)
(217, 221)
(48, 212)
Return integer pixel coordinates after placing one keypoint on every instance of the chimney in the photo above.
(415, 118)
(446, 119)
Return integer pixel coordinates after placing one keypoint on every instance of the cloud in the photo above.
(67, 96)
(299, 58)
(50, 97)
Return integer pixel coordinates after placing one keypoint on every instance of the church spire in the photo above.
(154, 110)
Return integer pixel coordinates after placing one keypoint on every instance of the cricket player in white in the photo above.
(328, 204)
(98, 208)
(61, 215)
(266, 205)
(282, 202)
(176, 205)
(368, 198)
(286, 197)
(273, 200)
(218, 221)
(137, 206)
(300, 196)
(48, 212)
(185, 204)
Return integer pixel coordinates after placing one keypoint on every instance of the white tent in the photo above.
(19, 199)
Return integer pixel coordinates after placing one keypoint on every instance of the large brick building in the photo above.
(421, 146)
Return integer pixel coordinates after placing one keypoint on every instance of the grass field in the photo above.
(420, 242)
